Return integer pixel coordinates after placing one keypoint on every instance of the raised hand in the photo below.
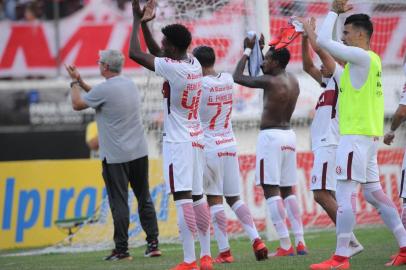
(149, 11)
(137, 11)
(249, 42)
(388, 138)
(261, 42)
(341, 6)
(312, 23)
(73, 72)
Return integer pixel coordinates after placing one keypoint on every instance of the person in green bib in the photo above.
(361, 114)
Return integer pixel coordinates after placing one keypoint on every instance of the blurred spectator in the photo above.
(66, 7)
(31, 12)
(10, 9)
(92, 139)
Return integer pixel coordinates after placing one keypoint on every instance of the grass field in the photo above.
(378, 242)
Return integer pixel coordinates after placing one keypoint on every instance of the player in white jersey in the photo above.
(324, 129)
(398, 118)
(183, 155)
(221, 174)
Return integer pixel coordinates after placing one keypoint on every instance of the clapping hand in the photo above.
(341, 6)
(73, 72)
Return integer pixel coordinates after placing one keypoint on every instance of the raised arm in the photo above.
(152, 45)
(74, 74)
(84, 85)
(345, 53)
(308, 65)
(327, 60)
(78, 103)
(238, 75)
(135, 52)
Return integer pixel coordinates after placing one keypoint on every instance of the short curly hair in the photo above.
(178, 35)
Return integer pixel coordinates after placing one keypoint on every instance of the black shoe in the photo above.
(152, 249)
(117, 256)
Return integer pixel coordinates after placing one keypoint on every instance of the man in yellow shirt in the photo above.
(361, 112)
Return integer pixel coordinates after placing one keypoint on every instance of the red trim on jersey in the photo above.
(166, 92)
(349, 165)
(401, 183)
(171, 181)
(324, 176)
(261, 171)
(334, 106)
(327, 99)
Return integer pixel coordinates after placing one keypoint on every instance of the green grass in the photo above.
(378, 242)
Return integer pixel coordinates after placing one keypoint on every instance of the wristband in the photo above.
(247, 52)
(73, 83)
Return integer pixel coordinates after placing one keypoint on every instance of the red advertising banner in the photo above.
(31, 48)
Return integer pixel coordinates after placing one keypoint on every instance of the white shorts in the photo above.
(276, 158)
(183, 166)
(357, 158)
(324, 168)
(402, 188)
(222, 173)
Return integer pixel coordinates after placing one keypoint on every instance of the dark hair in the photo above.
(178, 35)
(205, 55)
(362, 21)
(280, 55)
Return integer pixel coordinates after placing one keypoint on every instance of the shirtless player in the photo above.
(276, 145)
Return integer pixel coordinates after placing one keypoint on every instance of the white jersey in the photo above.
(324, 129)
(181, 91)
(215, 111)
(403, 95)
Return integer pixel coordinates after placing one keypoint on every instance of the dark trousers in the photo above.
(116, 177)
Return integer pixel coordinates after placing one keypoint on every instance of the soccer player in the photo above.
(183, 155)
(221, 174)
(361, 112)
(398, 118)
(276, 145)
(324, 130)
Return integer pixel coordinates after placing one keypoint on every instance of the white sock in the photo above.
(374, 194)
(346, 196)
(187, 228)
(219, 221)
(201, 209)
(354, 240)
(244, 216)
(295, 218)
(404, 215)
(278, 216)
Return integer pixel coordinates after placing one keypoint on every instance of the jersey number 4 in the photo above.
(193, 107)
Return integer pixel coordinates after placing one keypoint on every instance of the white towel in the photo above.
(256, 58)
(298, 25)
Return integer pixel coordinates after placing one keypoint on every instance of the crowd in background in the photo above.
(28, 10)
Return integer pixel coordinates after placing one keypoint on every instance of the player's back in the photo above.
(280, 97)
(181, 91)
(215, 110)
